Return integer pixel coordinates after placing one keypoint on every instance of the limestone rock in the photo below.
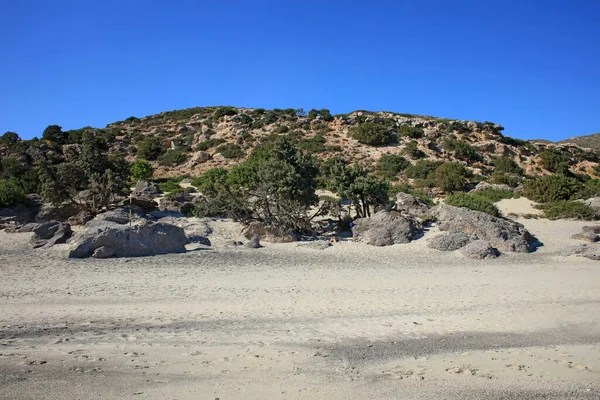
(480, 249)
(385, 229)
(50, 233)
(254, 242)
(268, 233)
(450, 241)
(411, 205)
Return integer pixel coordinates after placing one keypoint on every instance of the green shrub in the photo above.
(281, 129)
(371, 134)
(451, 176)
(141, 169)
(412, 150)
(553, 159)
(230, 150)
(173, 157)
(473, 202)
(462, 150)
(207, 144)
(494, 195)
(149, 148)
(315, 144)
(10, 193)
(568, 209)
(506, 179)
(507, 165)
(390, 165)
(410, 132)
(222, 111)
(170, 186)
(395, 189)
(334, 148)
(551, 188)
(423, 169)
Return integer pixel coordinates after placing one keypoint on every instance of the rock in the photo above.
(480, 249)
(591, 228)
(80, 219)
(593, 202)
(50, 233)
(59, 212)
(198, 240)
(27, 228)
(586, 236)
(502, 234)
(385, 229)
(411, 205)
(146, 204)
(104, 252)
(588, 250)
(202, 157)
(145, 189)
(450, 241)
(122, 241)
(17, 215)
(269, 233)
(121, 215)
(481, 186)
(191, 226)
(254, 242)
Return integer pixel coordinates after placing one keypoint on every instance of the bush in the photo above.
(494, 195)
(173, 157)
(423, 169)
(10, 193)
(568, 209)
(371, 134)
(412, 150)
(149, 148)
(507, 165)
(506, 179)
(230, 150)
(473, 202)
(390, 165)
(208, 144)
(9, 138)
(450, 177)
(170, 186)
(410, 131)
(141, 170)
(222, 111)
(553, 159)
(462, 150)
(315, 144)
(54, 133)
(551, 188)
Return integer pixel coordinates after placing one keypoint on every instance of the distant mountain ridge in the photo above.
(589, 141)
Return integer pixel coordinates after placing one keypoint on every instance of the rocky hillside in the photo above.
(194, 140)
(589, 141)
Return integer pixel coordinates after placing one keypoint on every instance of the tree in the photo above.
(371, 133)
(9, 138)
(390, 165)
(507, 165)
(553, 159)
(149, 148)
(450, 177)
(325, 115)
(54, 133)
(10, 194)
(551, 188)
(141, 169)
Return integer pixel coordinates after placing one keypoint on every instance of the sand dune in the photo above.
(284, 321)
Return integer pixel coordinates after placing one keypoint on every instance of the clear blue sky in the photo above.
(530, 65)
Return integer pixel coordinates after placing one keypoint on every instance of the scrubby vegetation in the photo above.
(568, 209)
(474, 202)
(372, 134)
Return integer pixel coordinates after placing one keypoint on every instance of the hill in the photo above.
(588, 141)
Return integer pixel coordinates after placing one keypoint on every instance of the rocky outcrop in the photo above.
(450, 241)
(481, 186)
(269, 233)
(385, 229)
(480, 250)
(57, 212)
(411, 205)
(588, 234)
(503, 234)
(50, 233)
(122, 241)
(587, 250)
(143, 195)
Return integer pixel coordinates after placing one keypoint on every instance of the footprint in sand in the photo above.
(400, 373)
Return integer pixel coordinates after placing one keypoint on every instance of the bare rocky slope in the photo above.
(199, 139)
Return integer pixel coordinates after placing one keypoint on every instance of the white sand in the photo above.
(520, 206)
(348, 322)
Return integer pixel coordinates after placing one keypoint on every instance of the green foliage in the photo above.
(315, 144)
(9, 138)
(507, 165)
(325, 114)
(494, 195)
(473, 201)
(413, 151)
(173, 157)
(54, 133)
(141, 169)
(10, 193)
(410, 132)
(149, 148)
(371, 133)
(353, 183)
(590, 188)
(395, 189)
(170, 186)
(230, 150)
(568, 209)
(553, 160)
(462, 150)
(390, 165)
(450, 176)
(207, 144)
(423, 169)
(222, 111)
(551, 188)
(506, 179)
(281, 129)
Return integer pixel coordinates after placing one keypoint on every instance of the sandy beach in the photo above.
(289, 322)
